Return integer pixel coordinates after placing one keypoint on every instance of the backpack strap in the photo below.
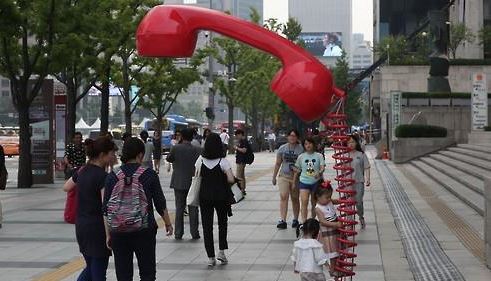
(139, 172)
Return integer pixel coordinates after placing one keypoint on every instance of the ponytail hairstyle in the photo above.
(324, 188)
(310, 228)
(102, 144)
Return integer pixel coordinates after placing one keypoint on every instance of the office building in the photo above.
(401, 17)
(362, 56)
(326, 27)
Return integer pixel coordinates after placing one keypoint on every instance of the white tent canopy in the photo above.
(81, 124)
(96, 125)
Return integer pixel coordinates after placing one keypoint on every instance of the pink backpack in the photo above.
(127, 208)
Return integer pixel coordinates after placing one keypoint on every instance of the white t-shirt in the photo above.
(224, 137)
(211, 163)
(309, 256)
(148, 151)
(272, 137)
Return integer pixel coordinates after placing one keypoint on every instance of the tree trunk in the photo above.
(71, 111)
(230, 106)
(254, 121)
(127, 97)
(105, 99)
(24, 177)
(261, 135)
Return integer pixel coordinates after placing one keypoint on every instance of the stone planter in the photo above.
(406, 149)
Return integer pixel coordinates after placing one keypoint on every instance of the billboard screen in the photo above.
(323, 44)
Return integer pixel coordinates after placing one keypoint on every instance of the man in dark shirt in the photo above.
(183, 156)
(240, 157)
(74, 155)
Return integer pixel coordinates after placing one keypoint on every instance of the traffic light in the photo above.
(209, 113)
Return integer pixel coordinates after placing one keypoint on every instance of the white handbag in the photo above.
(193, 194)
(238, 195)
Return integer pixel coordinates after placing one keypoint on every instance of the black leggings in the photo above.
(207, 214)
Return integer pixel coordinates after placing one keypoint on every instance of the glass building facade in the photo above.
(401, 17)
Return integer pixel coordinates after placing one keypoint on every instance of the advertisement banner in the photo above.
(41, 123)
(479, 106)
(323, 44)
(395, 105)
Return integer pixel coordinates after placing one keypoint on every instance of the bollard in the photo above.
(487, 220)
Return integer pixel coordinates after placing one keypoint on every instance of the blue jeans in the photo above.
(95, 269)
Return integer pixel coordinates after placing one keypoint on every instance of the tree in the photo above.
(27, 33)
(128, 66)
(161, 83)
(75, 55)
(341, 78)
(395, 47)
(459, 34)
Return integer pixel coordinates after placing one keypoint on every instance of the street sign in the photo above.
(395, 105)
(479, 107)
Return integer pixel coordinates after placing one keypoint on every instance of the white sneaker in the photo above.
(222, 258)
(212, 262)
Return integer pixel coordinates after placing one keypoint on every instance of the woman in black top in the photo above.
(142, 242)
(90, 232)
(215, 195)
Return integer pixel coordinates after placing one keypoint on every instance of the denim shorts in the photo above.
(309, 187)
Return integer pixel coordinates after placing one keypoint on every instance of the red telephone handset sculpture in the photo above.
(303, 83)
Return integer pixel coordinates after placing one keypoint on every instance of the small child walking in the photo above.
(308, 255)
(326, 213)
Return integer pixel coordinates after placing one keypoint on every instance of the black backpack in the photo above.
(249, 156)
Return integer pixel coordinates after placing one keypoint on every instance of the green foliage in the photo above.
(484, 37)
(487, 128)
(162, 82)
(341, 79)
(437, 95)
(420, 131)
(397, 48)
(459, 34)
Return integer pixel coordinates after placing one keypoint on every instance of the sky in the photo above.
(362, 14)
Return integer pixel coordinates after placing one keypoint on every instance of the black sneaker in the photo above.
(282, 224)
(295, 224)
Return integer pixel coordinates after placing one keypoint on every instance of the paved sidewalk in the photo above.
(35, 244)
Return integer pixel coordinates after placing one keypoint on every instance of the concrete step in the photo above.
(484, 164)
(464, 167)
(476, 147)
(464, 178)
(465, 194)
(471, 153)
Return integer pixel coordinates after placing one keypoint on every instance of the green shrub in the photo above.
(420, 131)
(487, 128)
(435, 95)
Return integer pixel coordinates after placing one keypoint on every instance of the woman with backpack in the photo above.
(129, 200)
(89, 226)
(215, 195)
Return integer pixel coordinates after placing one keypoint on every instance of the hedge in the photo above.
(422, 62)
(487, 128)
(437, 95)
(420, 131)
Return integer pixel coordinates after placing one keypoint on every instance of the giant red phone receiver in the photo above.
(303, 83)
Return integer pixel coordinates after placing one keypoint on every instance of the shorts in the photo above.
(309, 187)
(287, 185)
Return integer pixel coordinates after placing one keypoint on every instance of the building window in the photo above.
(5, 83)
(5, 93)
